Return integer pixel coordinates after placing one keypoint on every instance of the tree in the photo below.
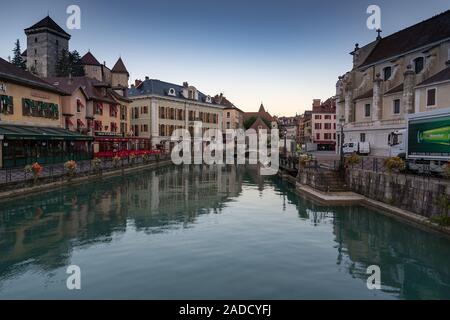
(69, 64)
(248, 123)
(75, 63)
(17, 60)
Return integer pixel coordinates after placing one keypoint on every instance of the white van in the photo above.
(362, 148)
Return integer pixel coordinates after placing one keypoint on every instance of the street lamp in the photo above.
(285, 143)
(341, 143)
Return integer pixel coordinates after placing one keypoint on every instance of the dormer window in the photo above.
(387, 73)
(208, 99)
(419, 64)
(171, 92)
(191, 94)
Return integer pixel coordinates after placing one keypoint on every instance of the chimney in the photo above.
(147, 78)
(70, 80)
(137, 82)
(185, 84)
(316, 103)
(104, 63)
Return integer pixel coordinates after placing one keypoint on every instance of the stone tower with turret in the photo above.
(45, 42)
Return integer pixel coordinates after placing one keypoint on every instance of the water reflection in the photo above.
(42, 231)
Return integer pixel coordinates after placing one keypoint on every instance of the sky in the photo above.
(283, 53)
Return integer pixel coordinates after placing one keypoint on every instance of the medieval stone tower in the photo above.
(45, 41)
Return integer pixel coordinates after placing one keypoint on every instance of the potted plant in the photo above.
(116, 161)
(35, 169)
(446, 172)
(132, 158)
(394, 164)
(350, 161)
(96, 164)
(146, 158)
(71, 168)
(304, 160)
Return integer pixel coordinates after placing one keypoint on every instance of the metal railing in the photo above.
(13, 177)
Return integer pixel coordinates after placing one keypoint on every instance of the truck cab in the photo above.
(397, 144)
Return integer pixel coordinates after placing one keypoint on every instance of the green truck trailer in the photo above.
(425, 144)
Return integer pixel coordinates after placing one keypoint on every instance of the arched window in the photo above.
(418, 64)
(387, 72)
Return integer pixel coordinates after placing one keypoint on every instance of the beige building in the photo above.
(406, 72)
(158, 108)
(233, 117)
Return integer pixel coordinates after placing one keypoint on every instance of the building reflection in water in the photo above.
(43, 230)
(415, 264)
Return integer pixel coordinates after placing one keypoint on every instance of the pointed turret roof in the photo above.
(89, 60)
(119, 67)
(47, 24)
(261, 108)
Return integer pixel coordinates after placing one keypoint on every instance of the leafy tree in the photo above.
(75, 63)
(63, 64)
(17, 60)
(69, 64)
(248, 123)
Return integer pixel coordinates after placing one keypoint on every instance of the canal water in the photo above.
(210, 233)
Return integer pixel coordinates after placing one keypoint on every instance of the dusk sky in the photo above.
(283, 53)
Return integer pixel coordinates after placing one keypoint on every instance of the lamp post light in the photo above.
(285, 143)
(341, 143)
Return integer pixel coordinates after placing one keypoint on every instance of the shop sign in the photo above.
(108, 134)
(40, 95)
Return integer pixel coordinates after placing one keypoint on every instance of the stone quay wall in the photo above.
(418, 194)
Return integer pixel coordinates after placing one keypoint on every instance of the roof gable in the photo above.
(119, 67)
(417, 36)
(12, 73)
(89, 60)
(161, 88)
(47, 23)
(441, 76)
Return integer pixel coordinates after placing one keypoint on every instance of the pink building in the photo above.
(324, 124)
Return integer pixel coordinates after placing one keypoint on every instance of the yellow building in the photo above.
(31, 121)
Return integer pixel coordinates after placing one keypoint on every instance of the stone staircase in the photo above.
(331, 181)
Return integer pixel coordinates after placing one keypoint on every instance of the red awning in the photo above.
(100, 105)
(69, 122)
(80, 123)
(113, 107)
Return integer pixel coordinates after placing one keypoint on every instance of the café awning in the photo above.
(16, 132)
